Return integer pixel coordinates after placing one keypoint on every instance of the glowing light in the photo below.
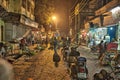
(111, 28)
(54, 17)
(115, 9)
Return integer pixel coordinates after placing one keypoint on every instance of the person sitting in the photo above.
(2, 50)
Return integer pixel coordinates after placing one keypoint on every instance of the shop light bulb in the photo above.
(111, 28)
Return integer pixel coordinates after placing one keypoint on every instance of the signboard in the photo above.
(28, 22)
(112, 46)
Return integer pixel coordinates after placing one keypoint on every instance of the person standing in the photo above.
(56, 58)
(55, 43)
(101, 49)
(22, 43)
(2, 50)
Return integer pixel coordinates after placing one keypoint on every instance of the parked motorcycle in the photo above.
(82, 71)
(73, 71)
(65, 51)
(72, 57)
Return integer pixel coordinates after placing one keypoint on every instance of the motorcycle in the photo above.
(65, 52)
(72, 57)
(73, 71)
(82, 71)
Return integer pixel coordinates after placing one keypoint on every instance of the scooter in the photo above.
(82, 71)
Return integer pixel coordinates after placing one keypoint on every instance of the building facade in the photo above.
(17, 18)
(94, 14)
(105, 22)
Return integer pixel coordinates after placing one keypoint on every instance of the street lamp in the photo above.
(54, 18)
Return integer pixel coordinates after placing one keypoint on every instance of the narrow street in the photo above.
(41, 66)
(24, 23)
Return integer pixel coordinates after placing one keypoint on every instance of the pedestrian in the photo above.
(2, 50)
(105, 46)
(22, 43)
(55, 43)
(33, 41)
(56, 58)
(101, 49)
(46, 41)
(6, 70)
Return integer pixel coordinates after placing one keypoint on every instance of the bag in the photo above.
(56, 57)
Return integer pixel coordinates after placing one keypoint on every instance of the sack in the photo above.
(56, 57)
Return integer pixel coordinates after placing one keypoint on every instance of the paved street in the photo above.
(41, 66)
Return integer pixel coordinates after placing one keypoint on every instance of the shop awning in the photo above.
(16, 18)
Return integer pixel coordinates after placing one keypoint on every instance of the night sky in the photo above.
(62, 8)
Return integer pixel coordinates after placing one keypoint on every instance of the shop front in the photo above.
(17, 26)
(96, 35)
(106, 34)
(83, 36)
(111, 31)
